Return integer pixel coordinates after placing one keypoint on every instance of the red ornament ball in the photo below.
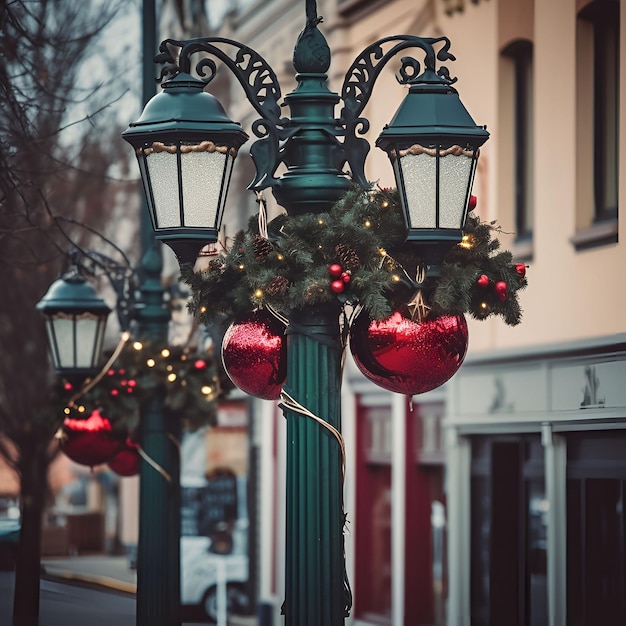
(254, 353)
(483, 281)
(409, 357)
(335, 270)
(89, 441)
(337, 286)
(520, 268)
(472, 202)
(501, 288)
(126, 462)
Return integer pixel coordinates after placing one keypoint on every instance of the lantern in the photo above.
(186, 146)
(433, 144)
(75, 319)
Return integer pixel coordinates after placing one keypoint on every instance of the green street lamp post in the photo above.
(75, 319)
(186, 146)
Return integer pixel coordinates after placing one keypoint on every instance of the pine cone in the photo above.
(262, 247)
(277, 286)
(216, 265)
(347, 256)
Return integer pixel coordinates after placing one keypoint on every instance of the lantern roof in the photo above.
(432, 111)
(72, 294)
(184, 110)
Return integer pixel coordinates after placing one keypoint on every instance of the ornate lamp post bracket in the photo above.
(360, 79)
(259, 83)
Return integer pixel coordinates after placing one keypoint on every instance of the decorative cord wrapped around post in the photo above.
(315, 566)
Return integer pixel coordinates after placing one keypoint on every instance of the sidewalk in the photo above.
(108, 572)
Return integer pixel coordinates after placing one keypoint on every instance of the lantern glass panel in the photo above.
(418, 172)
(86, 341)
(75, 340)
(204, 186)
(146, 184)
(455, 173)
(60, 331)
(163, 171)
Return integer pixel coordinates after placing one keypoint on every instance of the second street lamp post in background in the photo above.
(75, 355)
(158, 550)
(75, 319)
(186, 145)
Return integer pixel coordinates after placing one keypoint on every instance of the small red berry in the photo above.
(346, 276)
(483, 281)
(500, 289)
(337, 286)
(520, 268)
(472, 202)
(335, 270)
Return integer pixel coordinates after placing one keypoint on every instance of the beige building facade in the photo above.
(533, 425)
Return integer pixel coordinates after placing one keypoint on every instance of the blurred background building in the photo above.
(499, 498)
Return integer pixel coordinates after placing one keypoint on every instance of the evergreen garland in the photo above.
(191, 381)
(364, 234)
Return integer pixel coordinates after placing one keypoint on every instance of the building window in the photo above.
(597, 120)
(596, 529)
(520, 54)
(508, 532)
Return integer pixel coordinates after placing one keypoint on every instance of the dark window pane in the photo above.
(575, 528)
(596, 529)
(480, 531)
(602, 571)
(604, 18)
(536, 556)
(504, 571)
(521, 53)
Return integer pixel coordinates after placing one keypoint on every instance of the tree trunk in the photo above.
(28, 565)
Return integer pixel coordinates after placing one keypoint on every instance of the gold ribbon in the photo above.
(94, 381)
(148, 459)
(289, 403)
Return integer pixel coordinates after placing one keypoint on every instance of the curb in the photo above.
(86, 579)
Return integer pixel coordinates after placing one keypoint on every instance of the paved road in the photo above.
(69, 605)
(66, 604)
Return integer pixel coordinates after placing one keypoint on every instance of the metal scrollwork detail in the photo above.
(258, 80)
(359, 82)
(121, 277)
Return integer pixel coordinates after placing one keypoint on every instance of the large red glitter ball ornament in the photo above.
(254, 353)
(126, 462)
(89, 441)
(407, 356)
